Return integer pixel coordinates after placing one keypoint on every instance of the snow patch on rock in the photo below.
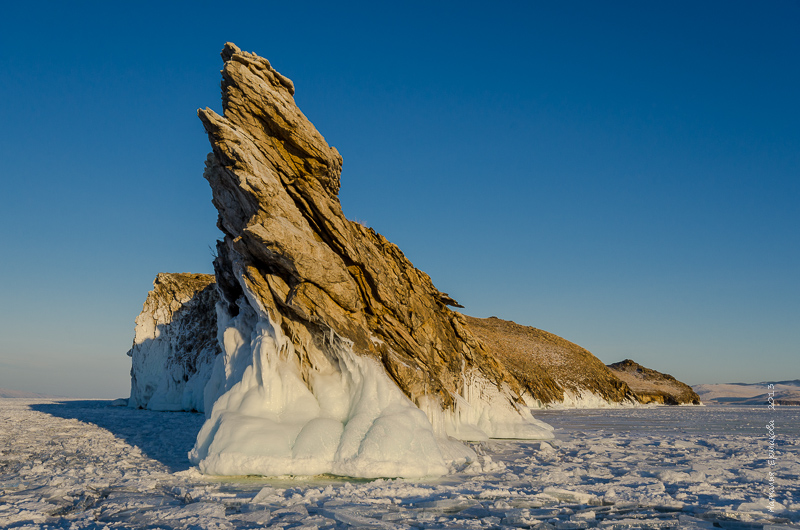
(345, 416)
(584, 399)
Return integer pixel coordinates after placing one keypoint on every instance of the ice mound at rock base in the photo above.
(345, 416)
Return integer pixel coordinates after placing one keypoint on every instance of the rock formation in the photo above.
(318, 347)
(651, 386)
(333, 343)
(551, 370)
(175, 344)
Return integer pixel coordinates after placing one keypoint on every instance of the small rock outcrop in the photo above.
(552, 370)
(335, 347)
(651, 386)
(175, 344)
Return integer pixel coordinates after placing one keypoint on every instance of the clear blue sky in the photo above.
(622, 174)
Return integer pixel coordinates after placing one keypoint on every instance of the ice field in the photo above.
(87, 464)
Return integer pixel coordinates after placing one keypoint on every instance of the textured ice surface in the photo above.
(79, 464)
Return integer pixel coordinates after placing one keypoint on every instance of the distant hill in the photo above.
(6, 393)
(786, 393)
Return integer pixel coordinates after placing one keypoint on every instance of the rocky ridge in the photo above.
(314, 305)
(551, 369)
(275, 183)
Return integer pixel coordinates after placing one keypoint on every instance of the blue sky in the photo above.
(622, 174)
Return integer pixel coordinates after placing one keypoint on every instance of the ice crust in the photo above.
(343, 416)
(268, 414)
(335, 412)
(286, 406)
(85, 465)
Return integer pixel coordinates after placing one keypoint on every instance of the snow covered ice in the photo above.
(86, 464)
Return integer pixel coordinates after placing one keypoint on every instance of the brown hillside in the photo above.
(545, 363)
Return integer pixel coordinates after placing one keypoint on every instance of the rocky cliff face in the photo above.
(175, 344)
(335, 347)
(551, 370)
(651, 386)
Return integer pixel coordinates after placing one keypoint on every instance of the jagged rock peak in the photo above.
(230, 49)
(258, 101)
(274, 180)
(293, 272)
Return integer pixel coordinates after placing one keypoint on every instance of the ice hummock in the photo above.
(344, 415)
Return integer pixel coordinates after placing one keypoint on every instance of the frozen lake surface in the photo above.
(86, 464)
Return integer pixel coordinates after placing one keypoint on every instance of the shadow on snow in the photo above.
(166, 437)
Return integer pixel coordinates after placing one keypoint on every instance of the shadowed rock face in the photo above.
(651, 386)
(175, 344)
(290, 251)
